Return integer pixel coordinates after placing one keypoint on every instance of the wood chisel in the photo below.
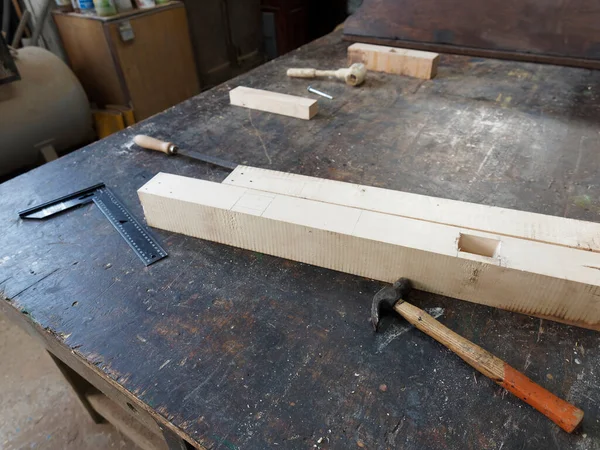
(171, 149)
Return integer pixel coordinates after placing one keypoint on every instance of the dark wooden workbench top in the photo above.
(246, 351)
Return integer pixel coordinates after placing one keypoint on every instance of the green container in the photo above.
(105, 7)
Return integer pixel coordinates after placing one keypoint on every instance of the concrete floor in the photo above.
(37, 407)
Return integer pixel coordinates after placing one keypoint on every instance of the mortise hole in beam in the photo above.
(478, 245)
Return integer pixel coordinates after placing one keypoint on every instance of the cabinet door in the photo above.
(156, 60)
(246, 33)
(212, 42)
(291, 23)
(227, 37)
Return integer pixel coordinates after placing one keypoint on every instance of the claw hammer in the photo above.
(564, 414)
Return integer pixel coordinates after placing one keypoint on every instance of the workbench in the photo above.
(230, 349)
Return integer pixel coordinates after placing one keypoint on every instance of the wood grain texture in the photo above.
(564, 414)
(562, 32)
(501, 271)
(274, 102)
(151, 143)
(158, 65)
(502, 221)
(126, 423)
(219, 314)
(226, 38)
(400, 61)
(107, 122)
(478, 358)
(90, 58)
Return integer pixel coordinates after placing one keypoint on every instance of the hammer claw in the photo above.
(387, 297)
(564, 414)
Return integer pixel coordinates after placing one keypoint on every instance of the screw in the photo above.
(322, 94)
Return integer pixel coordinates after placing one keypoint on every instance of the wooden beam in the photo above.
(472, 216)
(401, 61)
(287, 105)
(526, 276)
(81, 388)
(125, 423)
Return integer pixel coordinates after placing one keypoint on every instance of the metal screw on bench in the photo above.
(322, 94)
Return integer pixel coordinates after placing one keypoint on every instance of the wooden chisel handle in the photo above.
(564, 414)
(301, 73)
(151, 143)
(312, 73)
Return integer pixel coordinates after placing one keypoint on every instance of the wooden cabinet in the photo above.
(291, 23)
(141, 58)
(227, 38)
(296, 22)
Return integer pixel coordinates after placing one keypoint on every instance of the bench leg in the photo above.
(80, 386)
(174, 442)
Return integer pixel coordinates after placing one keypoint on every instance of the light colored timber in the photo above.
(530, 277)
(401, 61)
(501, 221)
(274, 102)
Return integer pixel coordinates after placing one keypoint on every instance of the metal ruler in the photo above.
(135, 234)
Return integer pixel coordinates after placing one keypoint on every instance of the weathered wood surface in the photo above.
(242, 350)
(528, 30)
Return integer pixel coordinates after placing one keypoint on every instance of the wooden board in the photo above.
(520, 275)
(531, 30)
(400, 61)
(274, 102)
(126, 423)
(502, 221)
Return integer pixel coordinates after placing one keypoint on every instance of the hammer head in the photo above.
(355, 74)
(387, 297)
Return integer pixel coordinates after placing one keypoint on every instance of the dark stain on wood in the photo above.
(241, 350)
(531, 30)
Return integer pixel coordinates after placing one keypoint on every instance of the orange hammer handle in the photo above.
(561, 412)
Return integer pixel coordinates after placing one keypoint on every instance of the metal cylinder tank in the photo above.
(47, 106)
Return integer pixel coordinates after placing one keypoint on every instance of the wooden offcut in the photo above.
(274, 102)
(107, 122)
(490, 219)
(128, 116)
(400, 61)
(549, 281)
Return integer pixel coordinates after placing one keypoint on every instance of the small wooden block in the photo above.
(401, 61)
(287, 105)
(107, 122)
(128, 116)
